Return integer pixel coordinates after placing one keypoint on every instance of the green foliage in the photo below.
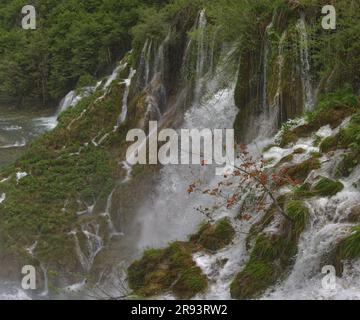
(344, 98)
(326, 187)
(354, 216)
(300, 172)
(287, 138)
(335, 55)
(73, 39)
(347, 164)
(162, 270)
(349, 249)
(215, 237)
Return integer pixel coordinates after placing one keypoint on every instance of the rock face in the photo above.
(270, 89)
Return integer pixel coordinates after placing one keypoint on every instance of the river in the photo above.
(18, 128)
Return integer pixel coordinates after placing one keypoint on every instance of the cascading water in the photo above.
(173, 215)
(271, 124)
(124, 110)
(107, 214)
(308, 91)
(327, 227)
(93, 244)
(201, 56)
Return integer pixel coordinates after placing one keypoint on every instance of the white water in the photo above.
(327, 227)
(107, 214)
(93, 244)
(201, 56)
(171, 213)
(17, 144)
(308, 91)
(124, 110)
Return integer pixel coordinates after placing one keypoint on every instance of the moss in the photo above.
(347, 164)
(261, 225)
(191, 281)
(299, 212)
(326, 187)
(268, 147)
(162, 270)
(329, 144)
(286, 159)
(288, 137)
(315, 154)
(303, 191)
(354, 216)
(215, 237)
(317, 141)
(331, 110)
(272, 254)
(349, 248)
(300, 172)
(252, 280)
(299, 151)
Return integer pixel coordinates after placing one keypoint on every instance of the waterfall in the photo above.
(308, 91)
(114, 75)
(46, 281)
(323, 234)
(276, 108)
(145, 64)
(265, 66)
(66, 102)
(107, 214)
(122, 117)
(169, 202)
(212, 51)
(93, 243)
(269, 120)
(201, 56)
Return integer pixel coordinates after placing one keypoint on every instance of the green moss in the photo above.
(317, 141)
(300, 172)
(215, 237)
(347, 164)
(299, 151)
(261, 225)
(354, 216)
(344, 98)
(286, 159)
(288, 137)
(256, 277)
(272, 254)
(331, 110)
(191, 281)
(349, 248)
(299, 212)
(329, 144)
(268, 147)
(162, 270)
(326, 187)
(303, 191)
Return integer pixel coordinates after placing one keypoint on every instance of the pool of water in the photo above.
(18, 128)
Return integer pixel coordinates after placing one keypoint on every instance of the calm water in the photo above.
(18, 128)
